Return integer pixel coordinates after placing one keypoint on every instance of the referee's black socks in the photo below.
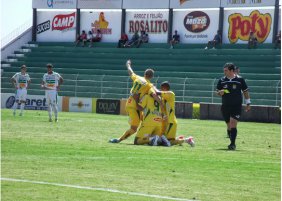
(228, 133)
(233, 135)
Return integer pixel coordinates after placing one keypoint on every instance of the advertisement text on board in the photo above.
(240, 26)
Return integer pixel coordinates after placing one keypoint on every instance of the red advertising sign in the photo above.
(61, 22)
(240, 26)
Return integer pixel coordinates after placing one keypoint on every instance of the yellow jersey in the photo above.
(168, 98)
(152, 114)
(140, 86)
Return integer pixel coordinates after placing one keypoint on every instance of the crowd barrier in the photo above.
(208, 111)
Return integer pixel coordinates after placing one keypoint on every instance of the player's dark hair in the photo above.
(23, 66)
(230, 66)
(49, 66)
(149, 73)
(165, 84)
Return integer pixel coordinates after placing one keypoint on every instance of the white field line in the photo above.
(95, 189)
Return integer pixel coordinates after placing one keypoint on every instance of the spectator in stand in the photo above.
(278, 40)
(144, 38)
(123, 39)
(97, 38)
(216, 41)
(133, 40)
(252, 42)
(81, 38)
(175, 40)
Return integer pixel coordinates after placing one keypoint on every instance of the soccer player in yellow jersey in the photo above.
(141, 86)
(169, 125)
(150, 128)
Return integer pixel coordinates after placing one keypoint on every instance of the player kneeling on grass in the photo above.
(21, 81)
(141, 86)
(150, 128)
(169, 125)
(51, 83)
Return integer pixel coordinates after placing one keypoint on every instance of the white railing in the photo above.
(13, 35)
(123, 83)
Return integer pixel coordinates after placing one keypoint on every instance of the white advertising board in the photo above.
(247, 3)
(54, 4)
(145, 4)
(109, 22)
(56, 26)
(101, 4)
(80, 104)
(239, 22)
(33, 102)
(196, 26)
(182, 4)
(154, 23)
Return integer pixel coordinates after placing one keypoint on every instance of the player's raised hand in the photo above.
(128, 63)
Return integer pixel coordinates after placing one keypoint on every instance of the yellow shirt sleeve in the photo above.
(133, 77)
(143, 101)
(166, 95)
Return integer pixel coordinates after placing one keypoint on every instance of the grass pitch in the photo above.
(76, 151)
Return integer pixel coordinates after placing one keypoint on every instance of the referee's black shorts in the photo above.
(231, 111)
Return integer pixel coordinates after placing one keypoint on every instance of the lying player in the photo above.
(141, 85)
(150, 128)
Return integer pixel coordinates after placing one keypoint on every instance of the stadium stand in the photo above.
(193, 72)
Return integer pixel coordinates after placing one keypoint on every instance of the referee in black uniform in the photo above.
(230, 88)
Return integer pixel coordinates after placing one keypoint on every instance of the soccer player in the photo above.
(150, 128)
(230, 88)
(169, 126)
(141, 86)
(21, 82)
(51, 83)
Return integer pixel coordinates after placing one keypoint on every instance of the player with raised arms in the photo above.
(141, 86)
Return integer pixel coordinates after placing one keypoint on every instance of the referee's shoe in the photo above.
(232, 147)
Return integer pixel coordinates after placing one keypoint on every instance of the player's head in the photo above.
(23, 69)
(165, 86)
(229, 69)
(149, 73)
(237, 70)
(49, 68)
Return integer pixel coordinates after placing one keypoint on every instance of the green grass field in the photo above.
(75, 151)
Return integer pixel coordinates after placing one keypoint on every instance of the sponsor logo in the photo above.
(243, 2)
(196, 21)
(240, 26)
(101, 24)
(43, 27)
(182, 1)
(105, 106)
(62, 22)
(10, 102)
(80, 104)
(50, 3)
(148, 22)
(158, 119)
(30, 104)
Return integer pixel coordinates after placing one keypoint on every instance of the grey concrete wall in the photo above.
(183, 110)
(266, 114)
(16, 44)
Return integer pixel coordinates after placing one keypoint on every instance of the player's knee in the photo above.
(134, 128)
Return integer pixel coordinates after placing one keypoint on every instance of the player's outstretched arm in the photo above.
(247, 101)
(13, 80)
(128, 65)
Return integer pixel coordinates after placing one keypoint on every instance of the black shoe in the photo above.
(232, 147)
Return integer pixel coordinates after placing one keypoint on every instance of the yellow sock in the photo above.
(127, 134)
